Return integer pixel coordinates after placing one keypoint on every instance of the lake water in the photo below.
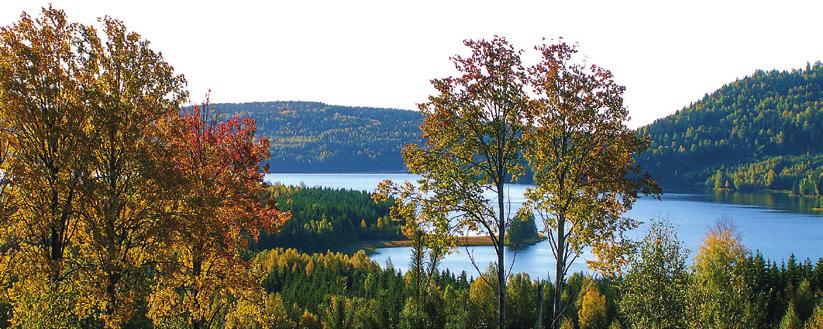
(777, 225)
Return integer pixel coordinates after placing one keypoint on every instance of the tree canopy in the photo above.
(113, 199)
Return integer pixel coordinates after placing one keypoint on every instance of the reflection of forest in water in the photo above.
(779, 201)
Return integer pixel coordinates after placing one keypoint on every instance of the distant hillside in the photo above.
(316, 137)
(761, 132)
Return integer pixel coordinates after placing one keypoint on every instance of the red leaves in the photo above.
(219, 163)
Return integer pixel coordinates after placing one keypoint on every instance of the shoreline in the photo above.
(463, 241)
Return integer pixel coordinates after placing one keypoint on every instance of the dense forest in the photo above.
(334, 290)
(759, 132)
(327, 219)
(341, 220)
(315, 137)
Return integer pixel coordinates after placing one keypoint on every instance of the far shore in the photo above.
(467, 241)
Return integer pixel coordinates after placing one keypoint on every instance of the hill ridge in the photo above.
(764, 115)
(319, 137)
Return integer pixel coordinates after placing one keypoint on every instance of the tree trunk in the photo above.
(558, 274)
(501, 266)
(111, 293)
(55, 255)
(198, 321)
(538, 322)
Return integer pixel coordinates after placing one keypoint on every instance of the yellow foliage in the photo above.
(483, 297)
(719, 281)
(248, 313)
(592, 312)
(39, 303)
(816, 321)
(310, 321)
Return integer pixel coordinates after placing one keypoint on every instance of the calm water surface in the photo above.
(775, 224)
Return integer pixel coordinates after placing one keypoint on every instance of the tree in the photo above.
(124, 204)
(472, 129)
(816, 321)
(430, 241)
(425, 258)
(413, 316)
(41, 81)
(482, 296)
(718, 282)
(456, 311)
(790, 319)
(272, 315)
(654, 288)
(522, 231)
(582, 155)
(804, 300)
(592, 312)
(521, 295)
(216, 164)
(343, 313)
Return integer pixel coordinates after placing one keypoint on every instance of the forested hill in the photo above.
(316, 137)
(761, 132)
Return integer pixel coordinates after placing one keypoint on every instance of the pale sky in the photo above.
(383, 53)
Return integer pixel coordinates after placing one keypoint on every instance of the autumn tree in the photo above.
(718, 282)
(657, 273)
(790, 320)
(816, 321)
(592, 311)
(44, 131)
(217, 165)
(472, 127)
(125, 205)
(582, 155)
(7, 209)
(482, 297)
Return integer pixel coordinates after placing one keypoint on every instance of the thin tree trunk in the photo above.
(111, 293)
(501, 266)
(198, 322)
(538, 322)
(558, 276)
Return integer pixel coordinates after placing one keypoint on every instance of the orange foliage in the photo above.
(216, 165)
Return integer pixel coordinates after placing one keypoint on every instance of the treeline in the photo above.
(773, 117)
(333, 290)
(316, 137)
(328, 219)
(340, 220)
(802, 175)
(726, 287)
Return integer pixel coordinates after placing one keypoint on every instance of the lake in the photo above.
(776, 224)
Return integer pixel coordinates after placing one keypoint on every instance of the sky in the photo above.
(384, 53)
